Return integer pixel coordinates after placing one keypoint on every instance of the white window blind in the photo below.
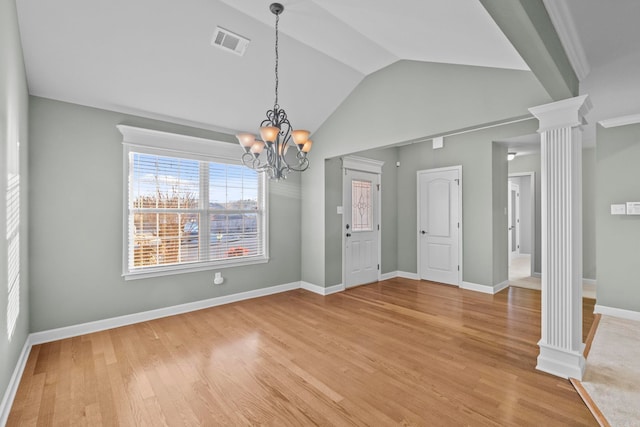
(186, 211)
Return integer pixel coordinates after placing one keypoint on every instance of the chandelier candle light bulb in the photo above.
(276, 133)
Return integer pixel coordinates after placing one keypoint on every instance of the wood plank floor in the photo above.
(398, 352)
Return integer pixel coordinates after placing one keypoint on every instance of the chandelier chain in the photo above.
(277, 57)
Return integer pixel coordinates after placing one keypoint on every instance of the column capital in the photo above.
(562, 114)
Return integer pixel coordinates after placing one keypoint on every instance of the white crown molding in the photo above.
(362, 164)
(620, 121)
(566, 29)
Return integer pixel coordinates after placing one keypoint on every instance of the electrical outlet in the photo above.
(218, 279)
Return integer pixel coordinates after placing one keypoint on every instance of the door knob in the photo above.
(348, 234)
(423, 232)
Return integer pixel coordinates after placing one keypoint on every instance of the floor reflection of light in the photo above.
(245, 345)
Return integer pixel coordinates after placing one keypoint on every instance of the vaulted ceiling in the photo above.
(154, 58)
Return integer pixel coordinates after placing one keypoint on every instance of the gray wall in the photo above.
(618, 250)
(14, 101)
(388, 221)
(76, 222)
(403, 102)
(333, 221)
(589, 178)
(484, 178)
(531, 163)
(499, 172)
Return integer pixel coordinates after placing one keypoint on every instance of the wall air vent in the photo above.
(230, 41)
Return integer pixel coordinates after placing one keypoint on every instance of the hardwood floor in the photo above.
(398, 352)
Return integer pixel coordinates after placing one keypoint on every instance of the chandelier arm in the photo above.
(303, 165)
(250, 161)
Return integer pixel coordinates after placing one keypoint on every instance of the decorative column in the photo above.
(561, 157)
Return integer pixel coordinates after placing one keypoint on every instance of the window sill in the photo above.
(190, 268)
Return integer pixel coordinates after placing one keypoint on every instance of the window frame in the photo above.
(153, 142)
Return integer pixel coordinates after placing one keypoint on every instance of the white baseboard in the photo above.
(334, 289)
(405, 275)
(617, 312)
(589, 288)
(115, 322)
(500, 286)
(14, 382)
(321, 290)
(485, 289)
(389, 275)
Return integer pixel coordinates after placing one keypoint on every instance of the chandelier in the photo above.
(268, 154)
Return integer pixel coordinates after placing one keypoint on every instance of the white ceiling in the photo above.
(153, 58)
(607, 30)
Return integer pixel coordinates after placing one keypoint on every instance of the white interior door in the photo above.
(361, 226)
(439, 217)
(514, 219)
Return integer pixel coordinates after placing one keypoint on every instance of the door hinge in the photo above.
(378, 266)
(457, 180)
(378, 227)
(378, 185)
(458, 225)
(458, 268)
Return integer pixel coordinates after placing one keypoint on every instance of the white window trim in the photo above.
(165, 143)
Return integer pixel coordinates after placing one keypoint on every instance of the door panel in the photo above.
(438, 211)
(439, 256)
(438, 223)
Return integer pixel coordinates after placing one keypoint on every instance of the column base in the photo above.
(560, 362)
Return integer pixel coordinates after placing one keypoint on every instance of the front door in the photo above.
(439, 225)
(361, 226)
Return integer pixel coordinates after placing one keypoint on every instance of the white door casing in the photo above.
(440, 225)
(361, 221)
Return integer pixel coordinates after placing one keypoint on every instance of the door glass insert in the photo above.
(361, 205)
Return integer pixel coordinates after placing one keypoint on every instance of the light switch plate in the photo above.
(619, 209)
(633, 208)
(339, 210)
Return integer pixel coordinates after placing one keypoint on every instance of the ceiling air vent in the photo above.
(230, 41)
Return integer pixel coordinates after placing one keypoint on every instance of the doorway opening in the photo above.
(521, 230)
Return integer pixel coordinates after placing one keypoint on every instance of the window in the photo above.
(190, 205)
